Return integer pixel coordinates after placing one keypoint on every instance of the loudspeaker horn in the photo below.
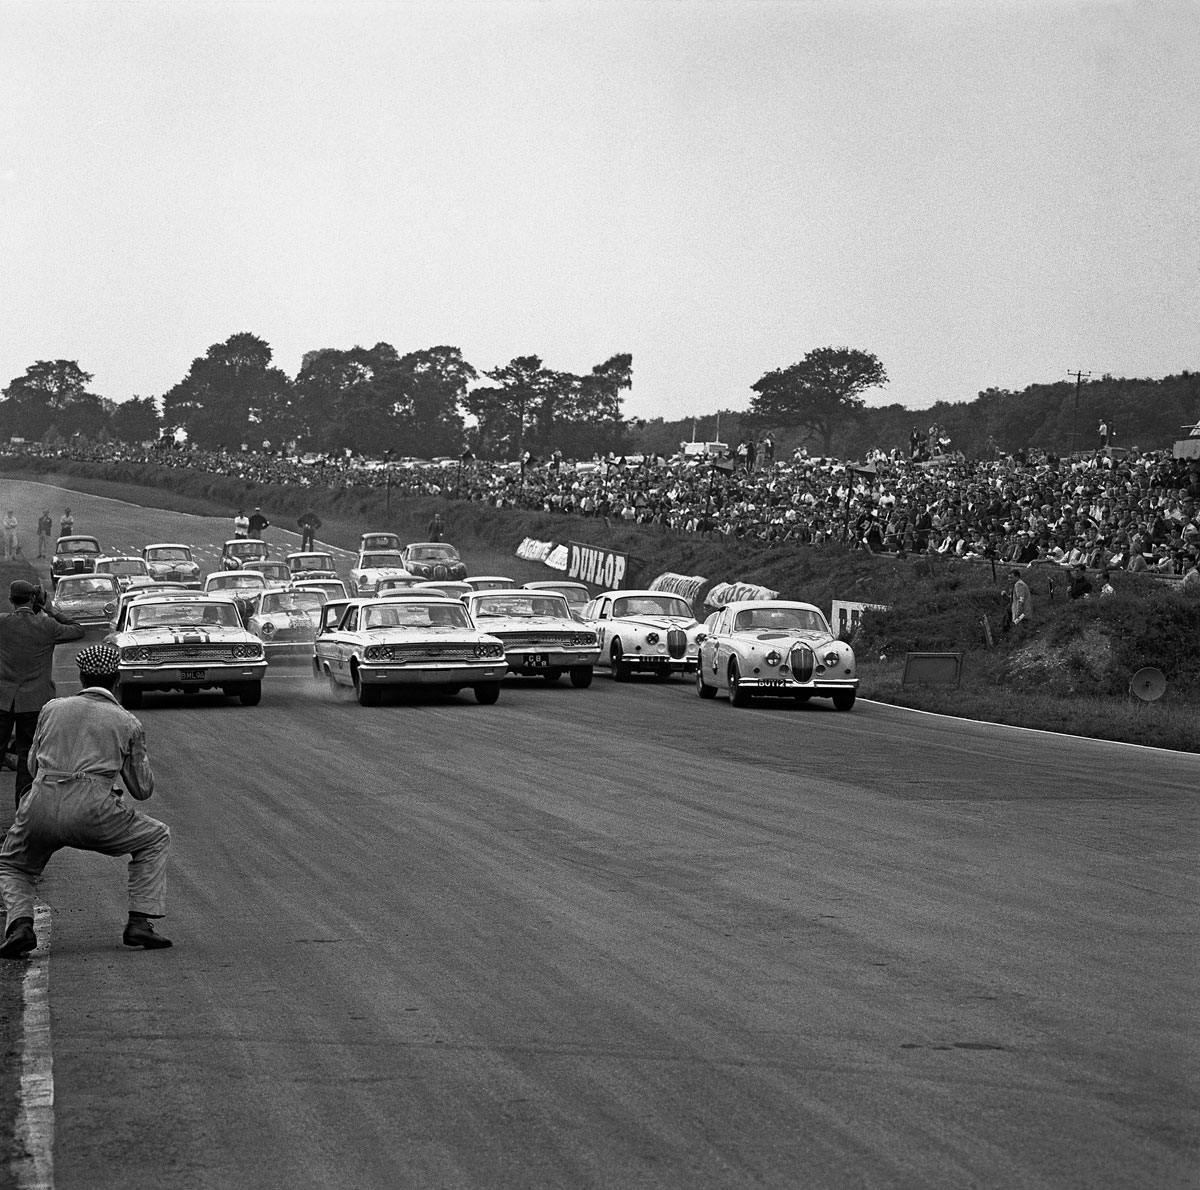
(1148, 684)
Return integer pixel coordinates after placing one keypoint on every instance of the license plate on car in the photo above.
(536, 660)
(192, 675)
(770, 682)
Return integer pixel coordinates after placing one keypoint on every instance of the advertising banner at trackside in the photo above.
(533, 550)
(556, 559)
(593, 564)
(687, 585)
(724, 593)
(844, 615)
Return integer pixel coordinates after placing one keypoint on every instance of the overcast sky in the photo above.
(982, 194)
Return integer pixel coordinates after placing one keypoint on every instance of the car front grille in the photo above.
(802, 662)
(676, 642)
(547, 640)
(428, 652)
(186, 654)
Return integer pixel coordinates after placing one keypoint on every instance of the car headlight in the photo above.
(379, 653)
(267, 628)
(832, 657)
(584, 640)
(136, 654)
(484, 649)
(109, 608)
(248, 651)
(773, 657)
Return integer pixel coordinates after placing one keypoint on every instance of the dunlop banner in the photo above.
(591, 564)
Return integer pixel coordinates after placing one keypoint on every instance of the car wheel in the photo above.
(738, 696)
(581, 677)
(552, 675)
(843, 700)
(702, 687)
(487, 693)
(250, 694)
(622, 671)
(131, 697)
(367, 695)
(802, 695)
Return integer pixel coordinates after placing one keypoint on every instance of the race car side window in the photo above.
(349, 620)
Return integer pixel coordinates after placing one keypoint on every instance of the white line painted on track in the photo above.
(34, 1162)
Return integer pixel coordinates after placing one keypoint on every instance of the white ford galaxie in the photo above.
(650, 631)
(540, 637)
(425, 641)
(775, 647)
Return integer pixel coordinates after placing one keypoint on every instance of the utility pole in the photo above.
(1079, 376)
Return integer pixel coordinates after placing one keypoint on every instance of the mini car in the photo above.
(490, 582)
(313, 564)
(410, 642)
(170, 562)
(237, 551)
(775, 647)
(123, 568)
(369, 542)
(372, 566)
(75, 554)
(330, 588)
(239, 585)
(285, 620)
(540, 637)
(433, 560)
(187, 642)
(91, 599)
(650, 631)
(277, 574)
(576, 594)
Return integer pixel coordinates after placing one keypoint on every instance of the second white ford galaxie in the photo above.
(651, 631)
(540, 637)
(415, 642)
(775, 647)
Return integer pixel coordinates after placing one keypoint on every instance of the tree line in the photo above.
(433, 403)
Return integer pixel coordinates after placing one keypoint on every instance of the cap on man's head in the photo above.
(98, 661)
(20, 590)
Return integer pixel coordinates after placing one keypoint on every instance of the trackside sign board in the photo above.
(591, 564)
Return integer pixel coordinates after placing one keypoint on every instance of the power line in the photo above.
(1079, 377)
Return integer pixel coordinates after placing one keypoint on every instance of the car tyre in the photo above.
(130, 696)
(581, 677)
(552, 675)
(487, 693)
(250, 694)
(367, 695)
(702, 687)
(622, 671)
(843, 700)
(802, 695)
(738, 695)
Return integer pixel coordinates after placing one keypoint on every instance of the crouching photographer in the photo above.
(29, 635)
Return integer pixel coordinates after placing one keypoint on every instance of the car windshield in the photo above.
(293, 601)
(396, 584)
(328, 590)
(170, 553)
(374, 561)
(312, 562)
(246, 549)
(411, 614)
(83, 588)
(652, 605)
(433, 553)
(123, 566)
(522, 605)
(78, 547)
(572, 595)
(241, 582)
(184, 614)
(380, 541)
(490, 584)
(782, 619)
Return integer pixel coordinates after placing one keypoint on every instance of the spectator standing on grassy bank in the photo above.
(12, 536)
(258, 523)
(45, 528)
(241, 524)
(309, 524)
(66, 524)
(1080, 586)
(28, 636)
(1021, 607)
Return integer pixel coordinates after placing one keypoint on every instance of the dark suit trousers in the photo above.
(25, 723)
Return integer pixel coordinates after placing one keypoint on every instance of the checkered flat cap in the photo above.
(98, 661)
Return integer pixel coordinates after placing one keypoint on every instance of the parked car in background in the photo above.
(755, 648)
(311, 564)
(433, 560)
(89, 598)
(187, 643)
(237, 551)
(75, 554)
(409, 642)
(371, 567)
(648, 631)
(172, 562)
(540, 637)
(285, 620)
(576, 594)
(123, 568)
(277, 574)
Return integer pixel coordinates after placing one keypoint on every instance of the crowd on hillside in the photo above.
(1109, 509)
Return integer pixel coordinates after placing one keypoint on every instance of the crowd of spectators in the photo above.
(1110, 509)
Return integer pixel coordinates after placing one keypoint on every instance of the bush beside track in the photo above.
(1071, 673)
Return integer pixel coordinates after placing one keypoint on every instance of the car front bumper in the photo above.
(430, 675)
(199, 677)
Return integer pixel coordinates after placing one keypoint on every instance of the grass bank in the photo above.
(1070, 674)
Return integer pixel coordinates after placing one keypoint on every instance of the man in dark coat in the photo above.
(258, 523)
(309, 524)
(28, 635)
